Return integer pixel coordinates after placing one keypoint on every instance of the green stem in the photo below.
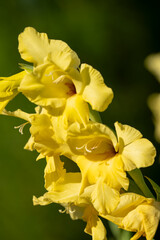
(139, 180)
(95, 116)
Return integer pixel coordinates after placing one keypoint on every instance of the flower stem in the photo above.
(137, 176)
(94, 115)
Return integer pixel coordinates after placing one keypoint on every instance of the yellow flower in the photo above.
(9, 88)
(154, 104)
(103, 159)
(47, 134)
(152, 63)
(65, 190)
(56, 76)
(137, 214)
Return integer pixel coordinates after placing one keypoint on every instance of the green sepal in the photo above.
(27, 67)
(94, 115)
(155, 187)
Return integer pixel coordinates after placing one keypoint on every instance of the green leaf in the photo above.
(114, 229)
(155, 187)
(125, 235)
(134, 188)
(137, 176)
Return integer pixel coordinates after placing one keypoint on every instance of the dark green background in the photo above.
(114, 37)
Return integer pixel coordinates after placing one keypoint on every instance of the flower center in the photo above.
(97, 149)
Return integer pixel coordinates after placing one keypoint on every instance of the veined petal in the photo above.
(114, 173)
(53, 171)
(95, 91)
(46, 140)
(140, 153)
(9, 88)
(35, 47)
(63, 56)
(94, 227)
(65, 190)
(126, 133)
(40, 89)
(104, 198)
(128, 202)
(76, 110)
(94, 139)
(144, 219)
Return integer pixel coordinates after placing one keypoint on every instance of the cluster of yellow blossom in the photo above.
(152, 62)
(68, 96)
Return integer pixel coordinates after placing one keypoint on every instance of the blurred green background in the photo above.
(114, 37)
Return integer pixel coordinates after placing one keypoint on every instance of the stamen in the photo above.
(21, 127)
(80, 148)
(62, 211)
(87, 150)
(50, 74)
(71, 211)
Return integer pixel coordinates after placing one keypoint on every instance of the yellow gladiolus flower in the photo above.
(47, 135)
(65, 191)
(137, 214)
(56, 75)
(103, 159)
(9, 88)
(152, 63)
(154, 104)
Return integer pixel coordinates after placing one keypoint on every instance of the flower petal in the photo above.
(76, 110)
(47, 135)
(126, 133)
(128, 202)
(152, 62)
(104, 198)
(9, 88)
(95, 91)
(35, 47)
(154, 105)
(65, 190)
(95, 228)
(53, 171)
(140, 153)
(80, 139)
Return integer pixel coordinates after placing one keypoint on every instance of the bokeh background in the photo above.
(114, 37)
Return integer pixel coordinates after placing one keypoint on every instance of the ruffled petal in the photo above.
(94, 139)
(140, 153)
(40, 88)
(9, 88)
(35, 47)
(65, 190)
(114, 174)
(104, 198)
(47, 135)
(126, 133)
(95, 91)
(128, 202)
(53, 171)
(144, 219)
(76, 110)
(95, 228)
